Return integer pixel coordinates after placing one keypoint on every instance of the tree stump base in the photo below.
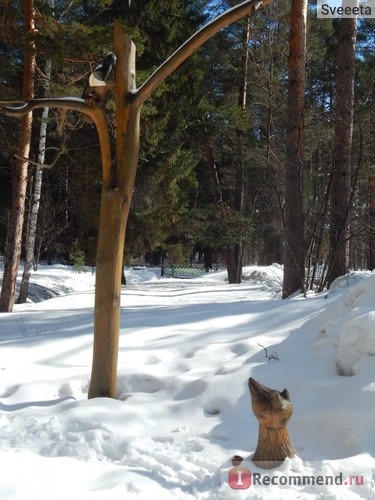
(273, 410)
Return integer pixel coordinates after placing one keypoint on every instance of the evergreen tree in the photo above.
(198, 146)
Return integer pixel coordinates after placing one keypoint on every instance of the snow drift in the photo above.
(187, 349)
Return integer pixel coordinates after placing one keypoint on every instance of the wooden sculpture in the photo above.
(273, 410)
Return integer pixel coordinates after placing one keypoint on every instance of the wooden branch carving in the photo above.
(76, 104)
(191, 45)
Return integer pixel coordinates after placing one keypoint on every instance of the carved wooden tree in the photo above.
(118, 180)
(273, 409)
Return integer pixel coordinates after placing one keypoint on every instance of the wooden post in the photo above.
(273, 409)
(116, 196)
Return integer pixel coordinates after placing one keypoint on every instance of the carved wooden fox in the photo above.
(273, 410)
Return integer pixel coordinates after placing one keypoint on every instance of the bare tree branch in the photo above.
(43, 165)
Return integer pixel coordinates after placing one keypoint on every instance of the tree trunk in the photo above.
(371, 218)
(271, 231)
(19, 170)
(233, 262)
(123, 276)
(242, 95)
(340, 187)
(33, 219)
(234, 254)
(238, 249)
(294, 244)
(214, 176)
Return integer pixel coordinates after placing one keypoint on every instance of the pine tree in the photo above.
(340, 187)
(20, 168)
(294, 243)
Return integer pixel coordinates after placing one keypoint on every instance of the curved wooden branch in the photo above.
(8, 102)
(191, 45)
(76, 104)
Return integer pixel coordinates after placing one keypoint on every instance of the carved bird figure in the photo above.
(100, 83)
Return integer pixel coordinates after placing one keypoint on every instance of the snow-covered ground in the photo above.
(187, 349)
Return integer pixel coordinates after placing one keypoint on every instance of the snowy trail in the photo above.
(187, 348)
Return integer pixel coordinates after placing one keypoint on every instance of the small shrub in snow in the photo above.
(77, 257)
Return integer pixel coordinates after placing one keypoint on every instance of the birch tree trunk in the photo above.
(33, 219)
(19, 170)
(294, 244)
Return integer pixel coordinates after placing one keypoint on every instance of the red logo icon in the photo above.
(239, 478)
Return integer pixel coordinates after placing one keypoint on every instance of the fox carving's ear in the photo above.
(285, 394)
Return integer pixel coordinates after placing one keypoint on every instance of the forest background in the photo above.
(211, 182)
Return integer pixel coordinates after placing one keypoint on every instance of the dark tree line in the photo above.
(215, 144)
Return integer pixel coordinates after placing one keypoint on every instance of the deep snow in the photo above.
(187, 349)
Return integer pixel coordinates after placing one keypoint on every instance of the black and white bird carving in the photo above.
(100, 83)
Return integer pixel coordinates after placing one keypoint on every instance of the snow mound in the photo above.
(351, 326)
(356, 337)
(348, 280)
(356, 340)
(270, 277)
(141, 274)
